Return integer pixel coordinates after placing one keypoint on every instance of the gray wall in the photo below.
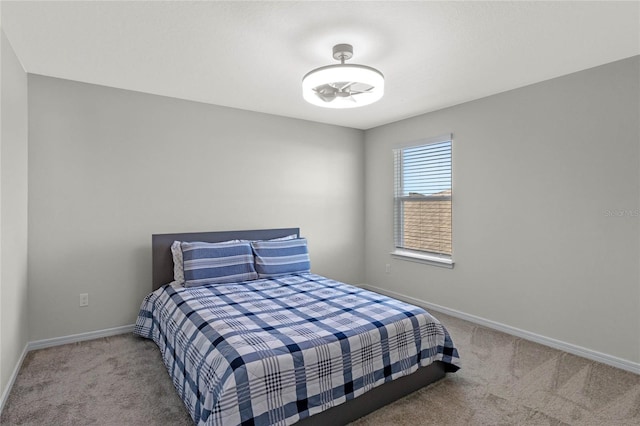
(13, 211)
(108, 167)
(545, 209)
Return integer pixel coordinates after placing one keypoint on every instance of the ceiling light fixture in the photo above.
(343, 85)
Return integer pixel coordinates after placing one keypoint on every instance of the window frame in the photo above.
(426, 257)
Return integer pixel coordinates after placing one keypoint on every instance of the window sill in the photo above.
(429, 259)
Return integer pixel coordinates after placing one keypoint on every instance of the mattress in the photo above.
(278, 350)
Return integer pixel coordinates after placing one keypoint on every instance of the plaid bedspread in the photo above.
(274, 351)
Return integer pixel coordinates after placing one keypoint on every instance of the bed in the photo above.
(283, 349)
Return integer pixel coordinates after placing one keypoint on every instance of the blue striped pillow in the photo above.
(216, 263)
(275, 258)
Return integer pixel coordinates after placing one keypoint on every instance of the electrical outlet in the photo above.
(387, 268)
(84, 299)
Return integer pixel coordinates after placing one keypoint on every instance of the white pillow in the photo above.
(178, 267)
(288, 237)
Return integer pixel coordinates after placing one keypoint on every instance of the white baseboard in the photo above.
(12, 379)
(611, 360)
(56, 341)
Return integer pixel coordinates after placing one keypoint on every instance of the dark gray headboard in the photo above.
(161, 246)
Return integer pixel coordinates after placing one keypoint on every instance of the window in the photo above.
(422, 202)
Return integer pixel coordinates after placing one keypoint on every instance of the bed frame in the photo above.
(341, 414)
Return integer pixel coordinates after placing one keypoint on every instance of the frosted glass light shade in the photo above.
(343, 73)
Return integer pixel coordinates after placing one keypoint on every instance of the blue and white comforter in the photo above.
(274, 351)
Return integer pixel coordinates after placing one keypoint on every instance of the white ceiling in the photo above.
(252, 55)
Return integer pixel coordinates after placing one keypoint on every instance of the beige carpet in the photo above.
(504, 381)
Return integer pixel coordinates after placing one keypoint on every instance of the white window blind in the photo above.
(422, 207)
